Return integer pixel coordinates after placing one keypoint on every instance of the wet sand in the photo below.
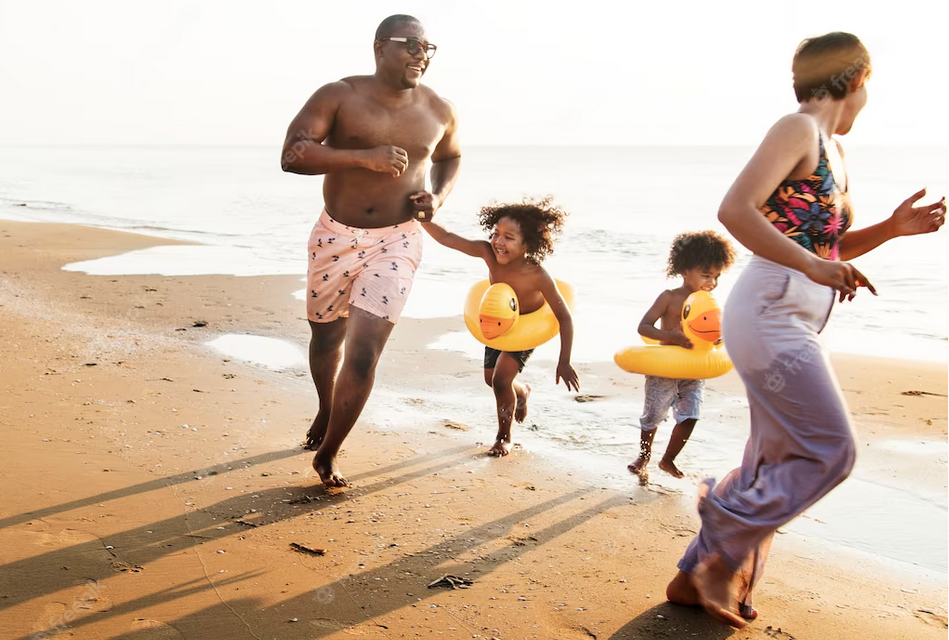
(155, 488)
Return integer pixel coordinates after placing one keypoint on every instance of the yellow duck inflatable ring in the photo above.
(702, 325)
(492, 315)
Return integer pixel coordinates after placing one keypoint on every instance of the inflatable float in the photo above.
(492, 315)
(702, 325)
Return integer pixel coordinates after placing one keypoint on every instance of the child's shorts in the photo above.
(371, 269)
(684, 396)
(491, 357)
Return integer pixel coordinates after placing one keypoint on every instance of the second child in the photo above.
(699, 259)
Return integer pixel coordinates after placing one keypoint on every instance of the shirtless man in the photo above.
(373, 137)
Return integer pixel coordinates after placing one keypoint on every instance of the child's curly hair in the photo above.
(698, 249)
(540, 221)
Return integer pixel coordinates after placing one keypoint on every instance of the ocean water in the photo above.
(625, 203)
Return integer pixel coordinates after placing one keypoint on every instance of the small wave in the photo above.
(36, 205)
(190, 232)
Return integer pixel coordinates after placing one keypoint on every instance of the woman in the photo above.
(790, 207)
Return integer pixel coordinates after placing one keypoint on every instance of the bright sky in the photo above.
(519, 73)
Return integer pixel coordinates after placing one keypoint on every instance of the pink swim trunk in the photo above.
(371, 269)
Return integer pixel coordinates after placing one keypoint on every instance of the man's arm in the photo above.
(446, 162)
(304, 151)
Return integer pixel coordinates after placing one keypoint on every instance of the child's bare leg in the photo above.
(645, 452)
(503, 384)
(522, 391)
(680, 435)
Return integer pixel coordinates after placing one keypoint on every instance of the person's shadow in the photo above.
(667, 620)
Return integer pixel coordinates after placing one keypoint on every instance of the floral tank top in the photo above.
(813, 212)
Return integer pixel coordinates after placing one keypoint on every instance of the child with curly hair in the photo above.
(521, 236)
(699, 258)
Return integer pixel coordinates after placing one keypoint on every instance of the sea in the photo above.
(626, 204)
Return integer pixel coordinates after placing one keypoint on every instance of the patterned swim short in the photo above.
(371, 269)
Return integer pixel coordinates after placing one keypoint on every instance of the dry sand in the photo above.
(154, 489)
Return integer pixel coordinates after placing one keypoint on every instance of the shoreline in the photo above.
(104, 371)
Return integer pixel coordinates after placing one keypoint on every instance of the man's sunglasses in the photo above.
(413, 46)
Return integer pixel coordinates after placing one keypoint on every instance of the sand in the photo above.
(156, 489)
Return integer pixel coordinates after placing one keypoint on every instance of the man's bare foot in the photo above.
(714, 582)
(312, 442)
(520, 409)
(501, 448)
(328, 471)
(639, 466)
(315, 435)
(669, 467)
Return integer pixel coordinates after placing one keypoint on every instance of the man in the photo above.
(373, 138)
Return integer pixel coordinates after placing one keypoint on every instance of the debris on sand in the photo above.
(304, 549)
(451, 581)
(245, 523)
(913, 392)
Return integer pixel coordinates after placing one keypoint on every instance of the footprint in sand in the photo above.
(119, 565)
(354, 629)
(932, 618)
(587, 398)
(63, 538)
(154, 630)
(771, 632)
(451, 424)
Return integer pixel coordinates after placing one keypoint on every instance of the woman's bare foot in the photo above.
(682, 591)
(501, 448)
(669, 467)
(328, 471)
(520, 409)
(747, 611)
(705, 488)
(714, 582)
(639, 466)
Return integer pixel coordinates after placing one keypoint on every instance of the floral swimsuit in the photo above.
(813, 212)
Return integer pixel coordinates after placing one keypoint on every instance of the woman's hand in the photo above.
(842, 277)
(908, 220)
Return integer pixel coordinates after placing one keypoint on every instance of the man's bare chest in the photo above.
(364, 125)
